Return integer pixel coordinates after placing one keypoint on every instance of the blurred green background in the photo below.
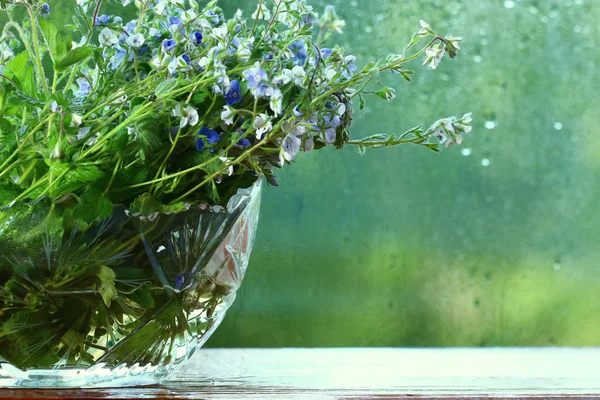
(496, 242)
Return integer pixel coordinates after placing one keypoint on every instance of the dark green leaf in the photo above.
(93, 206)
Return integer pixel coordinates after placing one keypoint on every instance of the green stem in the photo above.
(36, 47)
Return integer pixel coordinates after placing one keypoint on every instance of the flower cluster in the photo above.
(183, 104)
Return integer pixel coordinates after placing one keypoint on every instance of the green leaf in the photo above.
(57, 46)
(146, 205)
(107, 289)
(21, 70)
(93, 206)
(165, 87)
(74, 56)
(8, 192)
(77, 177)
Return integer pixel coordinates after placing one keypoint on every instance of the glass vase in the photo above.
(122, 302)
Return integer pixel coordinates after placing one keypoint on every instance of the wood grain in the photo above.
(380, 373)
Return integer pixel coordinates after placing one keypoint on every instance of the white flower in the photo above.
(227, 163)
(227, 115)
(425, 29)
(284, 78)
(54, 106)
(136, 41)
(261, 13)
(6, 53)
(107, 38)
(220, 33)
(76, 120)
(309, 144)
(298, 75)
(173, 64)
(188, 115)
(290, 147)
(244, 50)
(276, 102)
(262, 124)
(433, 55)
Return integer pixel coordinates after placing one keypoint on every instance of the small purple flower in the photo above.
(197, 38)
(254, 76)
(45, 10)
(186, 58)
(349, 68)
(102, 20)
(169, 44)
(211, 136)
(299, 49)
(234, 94)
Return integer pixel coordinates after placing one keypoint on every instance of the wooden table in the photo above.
(376, 373)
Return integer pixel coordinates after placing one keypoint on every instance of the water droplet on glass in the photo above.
(379, 17)
(558, 126)
(577, 29)
(483, 31)
(466, 152)
(354, 3)
(484, 42)
(574, 138)
(556, 266)
(485, 162)
(490, 124)
(477, 58)
(368, 29)
(509, 4)
(544, 20)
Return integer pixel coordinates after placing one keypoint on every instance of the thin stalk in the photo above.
(36, 47)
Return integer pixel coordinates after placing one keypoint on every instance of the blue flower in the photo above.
(169, 44)
(118, 20)
(131, 26)
(197, 38)
(300, 52)
(179, 280)
(214, 18)
(254, 75)
(175, 21)
(244, 143)
(235, 44)
(211, 136)
(234, 94)
(325, 52)
(186, 58)
(144, 49)
(84, 87)
(45, 10)
(349, 68)
(102, 20)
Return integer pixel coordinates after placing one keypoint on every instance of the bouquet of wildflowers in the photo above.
(177, 108)
(181, 105)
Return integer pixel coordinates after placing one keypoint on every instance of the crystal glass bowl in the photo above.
(122, 302)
